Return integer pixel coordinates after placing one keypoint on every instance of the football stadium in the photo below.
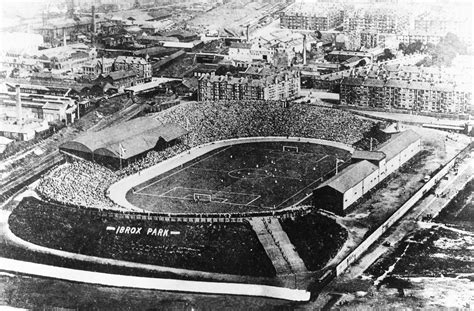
(235, 191)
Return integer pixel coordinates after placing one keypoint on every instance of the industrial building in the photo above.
(341, 191)
(25, 106)
(248, 52)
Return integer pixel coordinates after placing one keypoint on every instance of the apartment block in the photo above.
(311, 16)
(280, 86)
(376, 20)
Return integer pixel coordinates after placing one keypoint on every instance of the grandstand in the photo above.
(120, 145)
(343, 190)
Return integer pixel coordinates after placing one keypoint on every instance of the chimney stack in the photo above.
(94, 30)
(304, 49)
(18, 105)
(64, 38)
(247, 33)
(71, 9)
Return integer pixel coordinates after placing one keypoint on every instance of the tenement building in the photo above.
(311, 16)
(280, 86)
(407, 88)
(141, 67)
(378, 20)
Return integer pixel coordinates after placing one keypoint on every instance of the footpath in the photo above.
(278, 246)
(117, 280)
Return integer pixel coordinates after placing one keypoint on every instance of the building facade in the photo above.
(281, 86)
(408, 88)
(377, 20)
(310, 16)
(37, 107)
(142, 67)
(247, 52)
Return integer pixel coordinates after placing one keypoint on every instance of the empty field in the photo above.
(240, 178)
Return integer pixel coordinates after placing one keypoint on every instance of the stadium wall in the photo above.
(117, 191)
(362, 248)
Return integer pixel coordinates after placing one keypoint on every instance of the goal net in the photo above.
(291, 149)
(202, 197)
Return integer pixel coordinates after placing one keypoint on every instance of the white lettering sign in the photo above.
(159, 232)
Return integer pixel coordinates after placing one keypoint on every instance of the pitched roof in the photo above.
(396, 83)
(374, 82)
(352, 81)
(136, 136)
(131, 60)
(368, 155)
(397, 143)
(350, 176)
(240, 45)
(122, 74)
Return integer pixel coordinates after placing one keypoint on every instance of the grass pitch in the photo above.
(240, 178)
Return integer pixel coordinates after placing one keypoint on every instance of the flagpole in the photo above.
(337, 164)
(120, 149)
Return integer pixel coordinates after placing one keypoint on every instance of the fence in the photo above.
(179, 217)
(362, 248)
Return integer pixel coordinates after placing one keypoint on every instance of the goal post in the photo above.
(202, 197)
(290, 149)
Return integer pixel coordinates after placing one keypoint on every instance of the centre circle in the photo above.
(246, 173)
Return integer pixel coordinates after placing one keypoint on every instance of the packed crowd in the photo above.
(85, 184)
(210, 121)
(80, 183)
(152, 158)
(231, 248)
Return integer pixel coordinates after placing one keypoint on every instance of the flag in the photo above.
(122, 150)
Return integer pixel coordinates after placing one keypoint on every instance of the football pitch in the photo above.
(240, 178)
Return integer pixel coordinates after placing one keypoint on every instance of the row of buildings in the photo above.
(406, 95)
(140, 66)
(311, 16)
(380, 19)
(378, 25)
(410, 88)
(284, 85)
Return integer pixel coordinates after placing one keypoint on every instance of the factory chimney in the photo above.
(18, 105)
(93, 24)
(247, 33)
(304, 49)
(64, 39)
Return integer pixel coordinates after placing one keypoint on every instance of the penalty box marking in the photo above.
(184, 168)
(190, 191)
